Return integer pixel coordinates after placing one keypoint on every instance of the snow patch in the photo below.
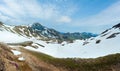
(21, 58)
(16, 52)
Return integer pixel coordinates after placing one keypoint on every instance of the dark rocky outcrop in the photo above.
(116, 26)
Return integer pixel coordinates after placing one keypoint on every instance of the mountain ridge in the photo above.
(39, 31)
(90, 48)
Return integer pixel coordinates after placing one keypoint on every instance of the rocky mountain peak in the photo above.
(37, 26)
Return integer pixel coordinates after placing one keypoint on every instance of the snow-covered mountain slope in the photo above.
(8, 35)
(38, 31)
(104, 44)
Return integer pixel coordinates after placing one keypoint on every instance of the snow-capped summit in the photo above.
(44, 31)
(37, 26)
(38, 31)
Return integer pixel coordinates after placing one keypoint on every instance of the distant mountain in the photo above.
(46, 32)
(51, 33)
(39, 31)
(77, 35)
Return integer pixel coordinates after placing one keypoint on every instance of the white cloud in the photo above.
(22, 8)
(7, 11)
(14, 6)
(3, 18)
(108, 16)
(8, 20)
(64, 19)
(32, 9)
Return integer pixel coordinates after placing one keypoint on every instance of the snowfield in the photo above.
(77, 49)
(9, 37)
(71, 50)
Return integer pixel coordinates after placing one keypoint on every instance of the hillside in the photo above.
(102, 44)
(9, 61)
(25, 53)
(35, 61)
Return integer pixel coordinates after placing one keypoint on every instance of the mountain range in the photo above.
(37, 48)
(39, 31)
(82, 44)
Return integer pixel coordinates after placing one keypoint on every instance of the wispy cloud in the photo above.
(64, 19)
(59, 13)
(33, 9)
(108, 16)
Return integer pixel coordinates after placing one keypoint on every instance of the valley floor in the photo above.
(47, 63)
(36, 61)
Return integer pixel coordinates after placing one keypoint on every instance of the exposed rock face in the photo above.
(116, 26)
(37, 26)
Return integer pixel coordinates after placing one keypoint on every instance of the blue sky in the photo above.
(63, 15)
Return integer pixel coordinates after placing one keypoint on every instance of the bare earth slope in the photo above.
(9, 62)
(35, 61)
